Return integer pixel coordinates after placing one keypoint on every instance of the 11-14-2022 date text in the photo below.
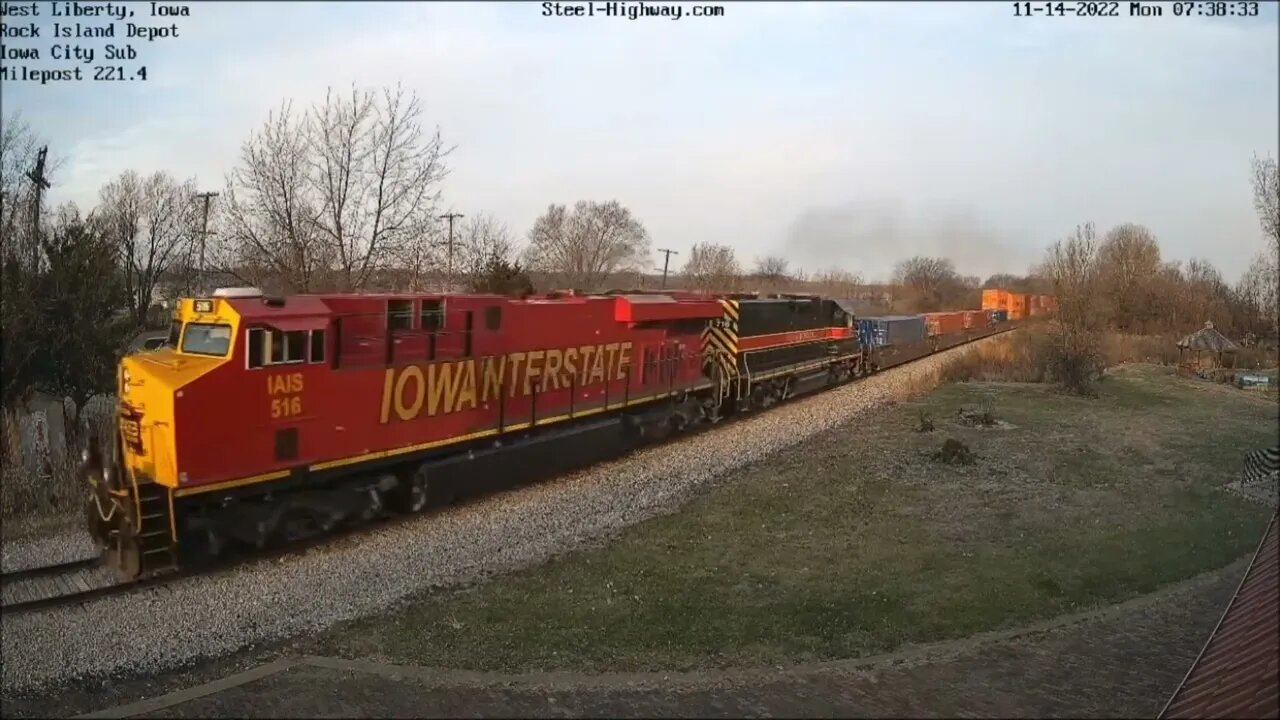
(1109, 8)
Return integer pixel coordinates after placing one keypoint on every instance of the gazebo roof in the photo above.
(1207, 338)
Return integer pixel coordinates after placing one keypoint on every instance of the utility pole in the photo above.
(665, 262)
(451, 217)
(41, 184)
(204, 234)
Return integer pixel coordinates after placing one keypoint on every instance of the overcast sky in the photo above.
(838, 134)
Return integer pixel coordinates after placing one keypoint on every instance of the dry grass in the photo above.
(1120, 348)
(856, 542)
(1015, 357)
(1024, 356)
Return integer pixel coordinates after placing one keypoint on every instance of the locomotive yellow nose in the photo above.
(150, 384)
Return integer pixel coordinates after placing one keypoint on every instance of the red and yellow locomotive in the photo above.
(271, 417)
(268, 418)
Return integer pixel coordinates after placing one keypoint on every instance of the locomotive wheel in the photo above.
(411, 495)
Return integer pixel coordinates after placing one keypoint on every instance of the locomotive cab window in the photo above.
(399, 314)
(175, 333)
(493, 318)
(317, 346)
(206, 339)
(288, 347)
(275, 347)
(255, 355)
(432, 315)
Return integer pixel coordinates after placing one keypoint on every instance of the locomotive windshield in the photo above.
(206, 339)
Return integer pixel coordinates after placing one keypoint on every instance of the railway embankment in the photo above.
(151, 631)
(823, 529)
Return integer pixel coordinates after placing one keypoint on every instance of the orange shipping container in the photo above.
(944, 323)
(1018, 309)
(975, 319)
(993, 299)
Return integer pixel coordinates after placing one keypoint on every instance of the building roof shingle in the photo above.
(1237, 674)
(1207, 338)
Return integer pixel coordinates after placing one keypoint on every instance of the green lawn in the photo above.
(856, 542)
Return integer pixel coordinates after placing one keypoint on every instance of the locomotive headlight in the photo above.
(84, 455)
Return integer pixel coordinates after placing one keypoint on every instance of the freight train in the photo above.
(266, 419)
(1018, 306)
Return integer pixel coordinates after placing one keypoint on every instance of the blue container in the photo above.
(866, 332)
(890, 330)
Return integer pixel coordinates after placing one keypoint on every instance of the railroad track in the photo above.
(59, 584)
(87, 579)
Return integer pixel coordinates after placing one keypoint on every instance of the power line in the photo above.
(665, 262)
(450, 217)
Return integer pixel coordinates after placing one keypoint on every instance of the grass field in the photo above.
(857, 542)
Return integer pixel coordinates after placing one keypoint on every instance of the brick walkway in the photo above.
(1120, 662)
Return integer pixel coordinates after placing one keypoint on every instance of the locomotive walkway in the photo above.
(1121, 661)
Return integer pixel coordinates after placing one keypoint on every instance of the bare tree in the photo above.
(589, 244)
(711, 267)
(928, 283)
(17, 153)
(1266, 199)
(487, 255)
(376, 175)
(837, 283)
(1259, 292)
(1128, 261)
(771, 267)
(334, 196)
(1072, 265)
(483, 240)
(269, 234)
(1031, 283)
(152, 223)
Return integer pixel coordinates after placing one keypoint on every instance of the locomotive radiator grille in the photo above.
(131, 430)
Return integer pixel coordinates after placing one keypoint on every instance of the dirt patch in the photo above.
(954, 452)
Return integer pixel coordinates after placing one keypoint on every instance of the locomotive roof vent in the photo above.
(237, 292)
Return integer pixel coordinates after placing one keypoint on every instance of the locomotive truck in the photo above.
(266, 418)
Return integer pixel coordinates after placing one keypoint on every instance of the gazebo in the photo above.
(1206, 349)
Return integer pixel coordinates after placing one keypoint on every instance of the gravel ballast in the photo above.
(59, 545)
(154, 630)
